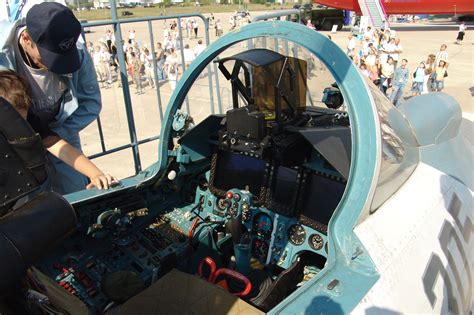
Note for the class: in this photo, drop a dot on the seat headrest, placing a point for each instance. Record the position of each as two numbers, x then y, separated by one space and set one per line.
29 232
22 157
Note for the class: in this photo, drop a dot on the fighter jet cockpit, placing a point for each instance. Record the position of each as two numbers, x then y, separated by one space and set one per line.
244 201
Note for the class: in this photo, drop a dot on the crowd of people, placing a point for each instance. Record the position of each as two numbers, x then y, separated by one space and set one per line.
378 54
170 56
139 61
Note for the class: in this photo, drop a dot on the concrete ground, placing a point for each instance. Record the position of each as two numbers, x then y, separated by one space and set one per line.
418 41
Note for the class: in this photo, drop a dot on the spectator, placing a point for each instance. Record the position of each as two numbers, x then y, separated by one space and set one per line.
430 68
462 30
136 67
387 49
104 61
195 28
131 37
400 80
160 61
97 65
172 69
371 62
65 91
199 48
109 39
366 46
211 19
188 55
397 50
386 73
418 77
177 41
149 74
219 30
363 69
442 54
369 33
232 23
90 48
351 44
439 75
189 27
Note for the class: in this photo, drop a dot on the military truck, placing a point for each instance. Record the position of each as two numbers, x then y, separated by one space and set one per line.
322 17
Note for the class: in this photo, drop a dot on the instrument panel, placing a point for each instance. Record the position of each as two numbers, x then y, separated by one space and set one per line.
274 238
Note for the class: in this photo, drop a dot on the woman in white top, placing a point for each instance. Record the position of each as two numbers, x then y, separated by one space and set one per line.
172 68
386 73
462 30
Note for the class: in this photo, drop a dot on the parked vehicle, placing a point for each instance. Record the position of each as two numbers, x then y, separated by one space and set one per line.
86 29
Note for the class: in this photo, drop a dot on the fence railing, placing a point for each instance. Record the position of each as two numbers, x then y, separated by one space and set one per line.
117 23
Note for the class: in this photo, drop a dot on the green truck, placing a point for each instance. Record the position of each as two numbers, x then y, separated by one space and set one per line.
323 18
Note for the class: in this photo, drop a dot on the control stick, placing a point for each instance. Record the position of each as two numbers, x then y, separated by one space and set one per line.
240 236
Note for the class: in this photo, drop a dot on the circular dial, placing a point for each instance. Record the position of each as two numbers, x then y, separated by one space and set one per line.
296 234
222 204
233 211
316 242
260 249
262 225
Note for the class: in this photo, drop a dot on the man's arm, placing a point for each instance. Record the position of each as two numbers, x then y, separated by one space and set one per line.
74 158
88 97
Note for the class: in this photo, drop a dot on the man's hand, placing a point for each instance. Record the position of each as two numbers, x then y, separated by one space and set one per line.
103 181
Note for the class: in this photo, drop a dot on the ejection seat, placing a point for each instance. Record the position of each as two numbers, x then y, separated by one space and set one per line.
31 221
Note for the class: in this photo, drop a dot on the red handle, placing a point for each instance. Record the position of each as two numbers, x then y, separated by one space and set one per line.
212 267
237 276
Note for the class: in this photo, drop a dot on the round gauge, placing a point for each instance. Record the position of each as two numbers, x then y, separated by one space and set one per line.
296 234
316 242
222 204
233 211
262 225
260 249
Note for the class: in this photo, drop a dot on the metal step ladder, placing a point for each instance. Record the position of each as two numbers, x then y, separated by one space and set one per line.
375 11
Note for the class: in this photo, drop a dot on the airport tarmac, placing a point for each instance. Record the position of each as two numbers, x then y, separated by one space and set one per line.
418 41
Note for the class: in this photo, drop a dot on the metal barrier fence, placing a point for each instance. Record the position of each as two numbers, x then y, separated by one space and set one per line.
117 23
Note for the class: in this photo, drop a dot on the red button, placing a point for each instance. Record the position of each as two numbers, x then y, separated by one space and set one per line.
229 195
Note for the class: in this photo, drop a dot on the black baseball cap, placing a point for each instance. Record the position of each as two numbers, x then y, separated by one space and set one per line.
55 30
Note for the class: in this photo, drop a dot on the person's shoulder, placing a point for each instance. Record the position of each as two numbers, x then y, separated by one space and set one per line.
7 31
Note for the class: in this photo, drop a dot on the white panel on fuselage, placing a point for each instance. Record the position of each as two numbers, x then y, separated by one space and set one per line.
404 238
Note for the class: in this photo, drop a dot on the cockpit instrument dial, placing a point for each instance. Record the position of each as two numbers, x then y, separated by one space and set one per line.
233 210
316 242
222 204
296 234
263 225
260 249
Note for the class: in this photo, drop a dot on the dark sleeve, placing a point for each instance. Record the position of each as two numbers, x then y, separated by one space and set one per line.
48 137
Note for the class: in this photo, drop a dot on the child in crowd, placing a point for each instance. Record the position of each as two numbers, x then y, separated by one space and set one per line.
363 69
418 78
439 74
16 91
